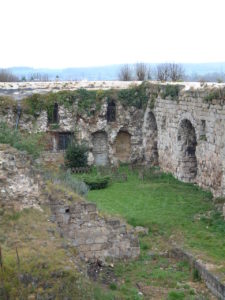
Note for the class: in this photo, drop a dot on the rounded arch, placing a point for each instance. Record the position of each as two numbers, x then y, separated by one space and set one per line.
188 116
187 142
100 148
111 111
150 139
122 146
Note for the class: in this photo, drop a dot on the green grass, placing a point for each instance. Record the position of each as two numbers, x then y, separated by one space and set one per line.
31 143
174 212
169 209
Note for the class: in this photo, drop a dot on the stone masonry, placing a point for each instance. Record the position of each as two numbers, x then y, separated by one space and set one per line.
19 186
94 236
184 135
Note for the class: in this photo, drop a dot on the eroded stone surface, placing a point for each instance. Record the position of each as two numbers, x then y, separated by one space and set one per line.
19 186
157 134
94 236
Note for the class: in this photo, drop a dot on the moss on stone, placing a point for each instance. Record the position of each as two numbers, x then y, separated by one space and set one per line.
171 91
87 101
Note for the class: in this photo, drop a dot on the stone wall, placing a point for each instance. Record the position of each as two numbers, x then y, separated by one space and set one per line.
19 185
184 134
191 139
94 236
215 285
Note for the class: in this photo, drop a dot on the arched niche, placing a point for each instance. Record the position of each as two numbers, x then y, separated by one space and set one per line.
100 148
151 139
53 116
187 142
122 146
111 111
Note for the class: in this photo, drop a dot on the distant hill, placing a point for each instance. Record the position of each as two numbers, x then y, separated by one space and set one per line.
110 72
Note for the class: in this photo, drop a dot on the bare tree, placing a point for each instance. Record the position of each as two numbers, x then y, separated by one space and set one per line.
176 72
125 73
170 72
149 73
162 72
39 77
7 76
141 71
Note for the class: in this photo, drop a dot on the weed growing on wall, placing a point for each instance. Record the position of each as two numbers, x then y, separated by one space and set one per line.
6 102
87 101
32 143
171 91
217 94
135 96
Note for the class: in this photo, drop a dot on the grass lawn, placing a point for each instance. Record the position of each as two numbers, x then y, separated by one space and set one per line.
174 212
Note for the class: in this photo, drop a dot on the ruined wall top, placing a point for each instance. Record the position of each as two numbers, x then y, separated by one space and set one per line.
20 90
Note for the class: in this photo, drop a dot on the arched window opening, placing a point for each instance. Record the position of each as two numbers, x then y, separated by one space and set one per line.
151 140
122 146
111 111
55 116
187 142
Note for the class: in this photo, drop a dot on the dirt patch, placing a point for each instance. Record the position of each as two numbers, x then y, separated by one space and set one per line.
101 273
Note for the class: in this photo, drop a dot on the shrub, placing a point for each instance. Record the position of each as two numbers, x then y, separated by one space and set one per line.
96 182
216 94
76 155
171 91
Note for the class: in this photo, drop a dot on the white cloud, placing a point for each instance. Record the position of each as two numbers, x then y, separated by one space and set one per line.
70 33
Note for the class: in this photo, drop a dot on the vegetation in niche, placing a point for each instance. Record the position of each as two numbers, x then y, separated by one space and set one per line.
203 138
76 154
171 91
54 126
216 94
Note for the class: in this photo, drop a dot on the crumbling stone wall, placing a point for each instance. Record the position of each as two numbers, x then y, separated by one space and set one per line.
184 134
203 137
19 185
95 237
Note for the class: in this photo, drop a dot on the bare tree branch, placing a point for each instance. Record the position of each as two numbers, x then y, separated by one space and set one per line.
125 73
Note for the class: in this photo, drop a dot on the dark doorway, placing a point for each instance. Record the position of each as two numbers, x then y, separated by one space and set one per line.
111 111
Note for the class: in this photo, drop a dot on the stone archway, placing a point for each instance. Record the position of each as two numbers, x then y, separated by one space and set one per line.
100 148
150 139
187 142
122 146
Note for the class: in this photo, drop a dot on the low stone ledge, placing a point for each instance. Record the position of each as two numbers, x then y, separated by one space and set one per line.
212 281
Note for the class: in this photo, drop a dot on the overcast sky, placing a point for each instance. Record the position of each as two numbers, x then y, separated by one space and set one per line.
75 33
